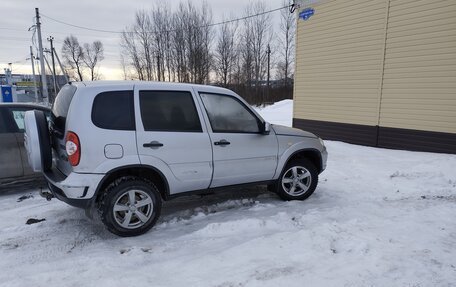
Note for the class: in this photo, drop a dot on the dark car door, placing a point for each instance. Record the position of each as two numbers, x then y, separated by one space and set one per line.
10 154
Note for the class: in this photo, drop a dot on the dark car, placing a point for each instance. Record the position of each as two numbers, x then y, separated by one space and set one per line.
14 166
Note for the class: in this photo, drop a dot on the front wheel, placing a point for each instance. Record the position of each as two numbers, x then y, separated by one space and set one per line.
130 206
298 180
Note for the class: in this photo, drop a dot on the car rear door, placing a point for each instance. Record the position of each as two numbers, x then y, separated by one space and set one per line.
241 152
10 156
170 130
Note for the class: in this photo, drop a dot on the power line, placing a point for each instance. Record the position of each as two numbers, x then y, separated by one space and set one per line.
165 31
14 38
80 27
13 29
246 17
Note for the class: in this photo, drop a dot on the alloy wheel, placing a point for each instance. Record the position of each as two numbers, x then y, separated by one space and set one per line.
296 181
133 209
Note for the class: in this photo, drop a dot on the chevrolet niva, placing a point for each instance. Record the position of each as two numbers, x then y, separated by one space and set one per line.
122 147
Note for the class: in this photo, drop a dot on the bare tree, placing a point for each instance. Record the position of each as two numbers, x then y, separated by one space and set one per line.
93 55
261 33
179 44
287 29
226 52
130 51
161 22
257 34
124 66
191 38
136 43
73 55
142 29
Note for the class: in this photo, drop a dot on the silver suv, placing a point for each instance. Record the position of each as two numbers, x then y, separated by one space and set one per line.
123 147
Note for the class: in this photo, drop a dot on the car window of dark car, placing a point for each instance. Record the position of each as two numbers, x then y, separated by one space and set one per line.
18 115
3 122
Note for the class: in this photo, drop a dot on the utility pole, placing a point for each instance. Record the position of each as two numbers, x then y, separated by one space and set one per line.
61 67
268 51
32 58
51 40
45 94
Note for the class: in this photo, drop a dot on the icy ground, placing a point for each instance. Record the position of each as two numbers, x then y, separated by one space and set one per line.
378 218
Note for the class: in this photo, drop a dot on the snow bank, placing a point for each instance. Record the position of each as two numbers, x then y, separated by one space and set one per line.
280 113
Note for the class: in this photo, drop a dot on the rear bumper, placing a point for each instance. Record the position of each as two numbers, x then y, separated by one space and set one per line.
60 195
76 189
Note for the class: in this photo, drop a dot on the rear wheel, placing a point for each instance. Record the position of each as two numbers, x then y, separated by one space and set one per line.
130 206
298 180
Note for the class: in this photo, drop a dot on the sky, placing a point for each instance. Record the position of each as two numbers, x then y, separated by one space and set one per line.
18 15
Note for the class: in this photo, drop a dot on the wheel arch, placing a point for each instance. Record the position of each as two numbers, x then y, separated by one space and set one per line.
311 154
149 173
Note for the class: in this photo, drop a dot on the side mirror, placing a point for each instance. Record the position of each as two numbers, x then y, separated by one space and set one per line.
266 128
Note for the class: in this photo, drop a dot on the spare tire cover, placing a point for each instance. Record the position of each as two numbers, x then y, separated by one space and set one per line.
32 142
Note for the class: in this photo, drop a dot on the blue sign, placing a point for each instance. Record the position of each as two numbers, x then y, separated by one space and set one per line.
306 13
7 94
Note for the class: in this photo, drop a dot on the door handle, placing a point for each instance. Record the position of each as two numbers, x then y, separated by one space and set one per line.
153 144
222 143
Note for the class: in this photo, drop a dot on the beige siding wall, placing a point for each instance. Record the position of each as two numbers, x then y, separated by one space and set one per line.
339 59
370 63
419 83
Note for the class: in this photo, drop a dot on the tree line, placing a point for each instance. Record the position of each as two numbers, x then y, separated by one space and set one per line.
184 46
249 56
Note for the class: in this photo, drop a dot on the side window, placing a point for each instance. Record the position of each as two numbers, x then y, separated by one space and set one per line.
114 110
19 116
228 115
169 111
9 122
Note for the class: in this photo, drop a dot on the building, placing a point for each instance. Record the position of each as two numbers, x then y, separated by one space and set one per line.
23 85
378 73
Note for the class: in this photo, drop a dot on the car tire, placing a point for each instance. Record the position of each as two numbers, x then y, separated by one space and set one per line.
130 206
298 180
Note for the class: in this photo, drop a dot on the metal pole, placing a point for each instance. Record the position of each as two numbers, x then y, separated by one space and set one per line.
51 39
32 58
268 51
47 63
45 94
61 67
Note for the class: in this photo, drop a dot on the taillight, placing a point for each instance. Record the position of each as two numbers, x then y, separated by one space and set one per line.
73 148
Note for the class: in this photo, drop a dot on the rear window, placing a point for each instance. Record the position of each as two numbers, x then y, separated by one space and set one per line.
114 110
61 105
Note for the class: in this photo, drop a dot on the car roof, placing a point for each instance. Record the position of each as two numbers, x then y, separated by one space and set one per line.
102 84
24 105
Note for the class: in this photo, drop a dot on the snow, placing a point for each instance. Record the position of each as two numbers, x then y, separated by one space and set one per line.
279 113
378 218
